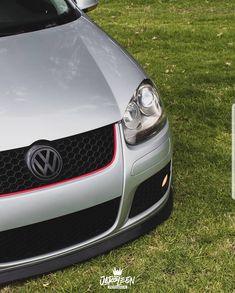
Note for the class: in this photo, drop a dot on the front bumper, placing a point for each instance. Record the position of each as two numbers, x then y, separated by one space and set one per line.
77 256
132 167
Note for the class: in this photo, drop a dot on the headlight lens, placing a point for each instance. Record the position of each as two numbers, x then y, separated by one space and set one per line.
144 115
132 116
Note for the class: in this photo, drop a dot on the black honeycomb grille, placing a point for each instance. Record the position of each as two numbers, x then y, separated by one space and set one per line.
58 233
150 192
81 154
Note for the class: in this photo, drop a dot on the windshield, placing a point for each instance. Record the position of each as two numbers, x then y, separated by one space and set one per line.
18 16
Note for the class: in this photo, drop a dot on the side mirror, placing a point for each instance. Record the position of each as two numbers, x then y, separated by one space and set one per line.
86 5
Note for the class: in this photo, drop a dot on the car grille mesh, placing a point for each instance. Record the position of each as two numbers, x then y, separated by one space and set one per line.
58 233
81 154
150 192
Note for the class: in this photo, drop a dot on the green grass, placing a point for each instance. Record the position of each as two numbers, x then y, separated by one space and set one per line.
188 49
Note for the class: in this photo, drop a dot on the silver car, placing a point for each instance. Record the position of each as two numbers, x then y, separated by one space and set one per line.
85 152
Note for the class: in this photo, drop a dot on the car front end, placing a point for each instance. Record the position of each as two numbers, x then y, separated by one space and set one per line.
86 150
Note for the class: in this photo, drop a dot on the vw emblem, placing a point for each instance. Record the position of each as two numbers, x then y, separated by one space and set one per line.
44 162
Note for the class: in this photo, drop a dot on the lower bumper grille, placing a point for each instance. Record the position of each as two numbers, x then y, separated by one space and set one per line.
150 192
59 233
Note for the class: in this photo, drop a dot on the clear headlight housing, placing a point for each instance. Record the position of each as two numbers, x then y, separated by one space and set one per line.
144 116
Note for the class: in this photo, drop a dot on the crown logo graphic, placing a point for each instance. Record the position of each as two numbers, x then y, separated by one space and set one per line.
117 272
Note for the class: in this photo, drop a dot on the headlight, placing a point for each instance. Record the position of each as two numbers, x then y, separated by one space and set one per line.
144 115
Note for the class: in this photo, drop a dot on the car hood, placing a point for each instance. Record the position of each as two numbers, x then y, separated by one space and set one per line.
62 81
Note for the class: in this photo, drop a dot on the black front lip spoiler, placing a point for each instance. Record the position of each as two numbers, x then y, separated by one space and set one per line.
64 261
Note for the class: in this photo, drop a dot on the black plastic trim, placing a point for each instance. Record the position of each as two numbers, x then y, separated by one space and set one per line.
59 233
52 265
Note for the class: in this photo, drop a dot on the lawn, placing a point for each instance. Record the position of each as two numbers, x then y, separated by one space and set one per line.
188 49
